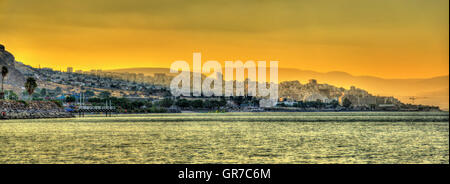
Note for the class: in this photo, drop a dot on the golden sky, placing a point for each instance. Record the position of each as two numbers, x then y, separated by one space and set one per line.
383 38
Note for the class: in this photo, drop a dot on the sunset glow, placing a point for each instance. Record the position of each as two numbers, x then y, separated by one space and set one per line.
388 39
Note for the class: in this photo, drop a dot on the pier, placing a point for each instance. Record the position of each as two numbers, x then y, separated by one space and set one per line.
108 110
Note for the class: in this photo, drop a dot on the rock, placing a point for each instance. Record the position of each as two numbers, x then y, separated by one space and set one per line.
14 77
6 58
34 110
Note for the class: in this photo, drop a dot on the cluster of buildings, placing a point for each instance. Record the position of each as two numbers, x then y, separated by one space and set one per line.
157 78
125 84
293 91
140 86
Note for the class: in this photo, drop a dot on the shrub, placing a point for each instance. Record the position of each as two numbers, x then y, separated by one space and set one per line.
23 102
167 102
58 103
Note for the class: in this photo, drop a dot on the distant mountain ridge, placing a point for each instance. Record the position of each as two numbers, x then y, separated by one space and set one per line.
428 91
146 71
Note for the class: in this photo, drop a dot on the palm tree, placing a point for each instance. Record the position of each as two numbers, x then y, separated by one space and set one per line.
4 73
30 85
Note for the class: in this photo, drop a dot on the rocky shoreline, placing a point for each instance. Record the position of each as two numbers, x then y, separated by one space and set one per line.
37 115
31 110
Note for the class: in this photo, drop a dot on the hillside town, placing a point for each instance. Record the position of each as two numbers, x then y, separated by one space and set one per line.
139 93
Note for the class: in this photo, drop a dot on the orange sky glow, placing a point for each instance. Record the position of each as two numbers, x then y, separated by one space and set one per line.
385 38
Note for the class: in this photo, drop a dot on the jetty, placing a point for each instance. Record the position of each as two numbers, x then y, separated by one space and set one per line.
108 110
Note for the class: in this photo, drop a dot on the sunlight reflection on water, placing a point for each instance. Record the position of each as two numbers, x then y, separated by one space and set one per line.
100 140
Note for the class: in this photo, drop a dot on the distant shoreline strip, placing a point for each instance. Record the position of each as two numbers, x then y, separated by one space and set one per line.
261 119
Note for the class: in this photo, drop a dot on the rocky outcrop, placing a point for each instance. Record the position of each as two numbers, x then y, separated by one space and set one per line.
14 77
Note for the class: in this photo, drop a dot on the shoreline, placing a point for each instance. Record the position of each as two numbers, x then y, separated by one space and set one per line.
10 109
54 115
39 115
258 117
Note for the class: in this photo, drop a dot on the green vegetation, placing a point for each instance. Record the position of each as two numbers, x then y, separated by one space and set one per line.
183 103
11 95
166 102
129 106
4 73
314 104
30 85
347 103
200 104
23 101
197 104
43 92
70 99
58 103
125 105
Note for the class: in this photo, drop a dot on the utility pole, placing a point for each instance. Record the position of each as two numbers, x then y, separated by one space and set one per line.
413 98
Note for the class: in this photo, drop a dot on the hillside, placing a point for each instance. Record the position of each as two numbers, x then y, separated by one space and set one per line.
431 91
14 77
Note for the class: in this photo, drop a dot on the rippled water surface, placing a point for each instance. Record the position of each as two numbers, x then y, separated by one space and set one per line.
230 138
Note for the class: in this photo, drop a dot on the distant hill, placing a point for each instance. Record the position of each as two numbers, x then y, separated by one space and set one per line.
145 71
429 91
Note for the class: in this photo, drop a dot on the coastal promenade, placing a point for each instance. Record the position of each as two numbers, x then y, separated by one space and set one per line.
31 110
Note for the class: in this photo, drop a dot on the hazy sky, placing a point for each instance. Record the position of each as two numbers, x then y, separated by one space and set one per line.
384 38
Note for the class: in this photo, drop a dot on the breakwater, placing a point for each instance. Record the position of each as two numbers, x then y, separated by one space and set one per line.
31 110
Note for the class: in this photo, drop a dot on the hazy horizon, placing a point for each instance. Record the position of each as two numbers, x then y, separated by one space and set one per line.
280 68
